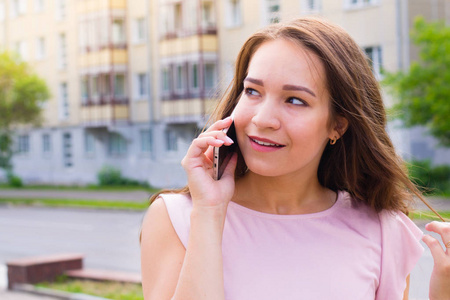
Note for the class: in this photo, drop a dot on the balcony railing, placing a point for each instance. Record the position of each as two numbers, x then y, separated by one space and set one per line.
105 100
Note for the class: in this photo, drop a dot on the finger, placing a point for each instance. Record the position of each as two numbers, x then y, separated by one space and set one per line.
221 124
435 248
218 134
441 228
200 145
231 167
210 153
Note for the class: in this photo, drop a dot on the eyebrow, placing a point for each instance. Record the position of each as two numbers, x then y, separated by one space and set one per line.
286 87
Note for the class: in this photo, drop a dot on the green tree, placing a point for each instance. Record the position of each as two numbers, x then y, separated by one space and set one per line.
22 93
423 92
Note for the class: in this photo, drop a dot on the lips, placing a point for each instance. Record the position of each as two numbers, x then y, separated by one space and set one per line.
265 142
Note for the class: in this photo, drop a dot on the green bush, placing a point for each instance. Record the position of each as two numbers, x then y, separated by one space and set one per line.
110 176
430 179
14 180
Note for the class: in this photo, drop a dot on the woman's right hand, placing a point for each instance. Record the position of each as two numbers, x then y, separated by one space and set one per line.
198 164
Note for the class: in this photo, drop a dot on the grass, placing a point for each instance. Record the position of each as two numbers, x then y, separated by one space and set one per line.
109 290
79 203
429 215
127 205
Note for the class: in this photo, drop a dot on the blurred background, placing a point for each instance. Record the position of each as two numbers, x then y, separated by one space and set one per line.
100 99
132 82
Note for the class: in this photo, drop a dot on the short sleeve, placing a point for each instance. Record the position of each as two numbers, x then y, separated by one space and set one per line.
179 207
401 250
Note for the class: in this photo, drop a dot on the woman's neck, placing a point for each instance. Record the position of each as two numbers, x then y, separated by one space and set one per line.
284 195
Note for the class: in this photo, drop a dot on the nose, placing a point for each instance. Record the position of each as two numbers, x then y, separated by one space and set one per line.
266 115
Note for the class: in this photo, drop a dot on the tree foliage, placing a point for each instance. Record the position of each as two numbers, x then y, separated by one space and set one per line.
423 92
22 94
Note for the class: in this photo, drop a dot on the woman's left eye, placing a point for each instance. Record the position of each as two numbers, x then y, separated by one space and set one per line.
296 101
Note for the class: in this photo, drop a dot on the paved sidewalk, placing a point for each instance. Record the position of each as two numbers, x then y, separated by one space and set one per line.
15 295
436 202
138 196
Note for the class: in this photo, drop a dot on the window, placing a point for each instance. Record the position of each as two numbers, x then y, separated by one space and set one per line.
233 17
60 9
62 51
46 143
311 6
180 78
119 85
94 87
117 145
118 32
105 86
178 16
141 85
210 75
171 141
23 143
18 7
193 78
360 3
208 15
39 6
272 11
67 150
146 140
40 48
84 89
140 32
374 56
63 101
165 80
89 143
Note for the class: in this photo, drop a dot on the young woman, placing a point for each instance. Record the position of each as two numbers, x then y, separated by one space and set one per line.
313 204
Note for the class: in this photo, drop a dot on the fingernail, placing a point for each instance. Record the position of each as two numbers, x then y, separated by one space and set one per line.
220 141
229 140
227 118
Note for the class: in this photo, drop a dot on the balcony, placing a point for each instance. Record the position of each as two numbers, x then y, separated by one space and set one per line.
104 111
188 44
187 110
103 57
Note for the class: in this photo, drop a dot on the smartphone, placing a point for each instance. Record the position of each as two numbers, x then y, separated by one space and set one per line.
222 155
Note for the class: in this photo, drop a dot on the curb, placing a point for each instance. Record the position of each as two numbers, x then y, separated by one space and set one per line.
40 291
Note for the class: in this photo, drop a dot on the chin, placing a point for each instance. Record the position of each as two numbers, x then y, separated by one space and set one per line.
265 170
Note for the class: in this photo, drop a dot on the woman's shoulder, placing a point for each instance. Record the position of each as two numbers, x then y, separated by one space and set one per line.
388 217
356 210
176 199
389 222
179 207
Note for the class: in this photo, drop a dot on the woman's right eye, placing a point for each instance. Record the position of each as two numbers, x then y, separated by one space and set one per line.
252 92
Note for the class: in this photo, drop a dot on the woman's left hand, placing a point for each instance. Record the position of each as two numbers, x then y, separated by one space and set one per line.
440 277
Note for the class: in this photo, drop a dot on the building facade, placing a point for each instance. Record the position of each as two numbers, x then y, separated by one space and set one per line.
134 81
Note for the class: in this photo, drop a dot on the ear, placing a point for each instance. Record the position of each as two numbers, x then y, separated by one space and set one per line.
340 127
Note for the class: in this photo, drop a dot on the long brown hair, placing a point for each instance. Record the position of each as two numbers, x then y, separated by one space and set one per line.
363 161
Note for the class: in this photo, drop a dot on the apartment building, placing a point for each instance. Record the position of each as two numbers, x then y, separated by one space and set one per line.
134 81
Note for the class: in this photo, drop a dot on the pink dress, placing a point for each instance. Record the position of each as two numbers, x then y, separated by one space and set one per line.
345 252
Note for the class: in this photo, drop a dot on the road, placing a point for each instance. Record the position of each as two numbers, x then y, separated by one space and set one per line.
109 239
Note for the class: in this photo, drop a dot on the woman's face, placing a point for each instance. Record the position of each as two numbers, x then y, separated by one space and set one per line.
282 116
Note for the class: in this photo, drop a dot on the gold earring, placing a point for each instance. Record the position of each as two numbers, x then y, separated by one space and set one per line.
333 141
